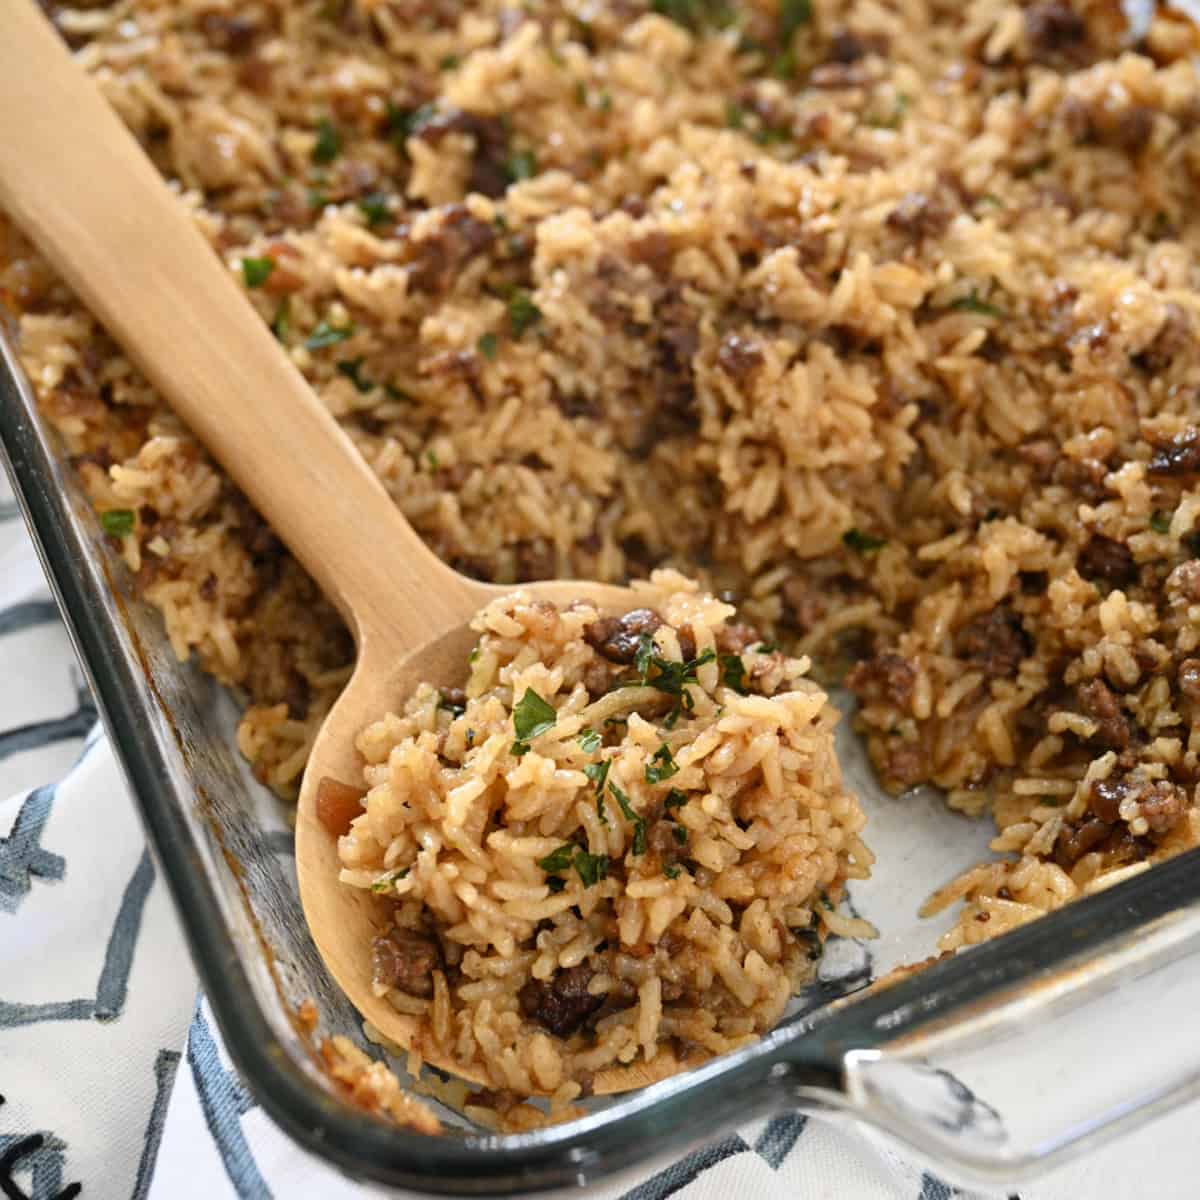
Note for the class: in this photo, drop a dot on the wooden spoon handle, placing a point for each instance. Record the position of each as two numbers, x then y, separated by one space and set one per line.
79 185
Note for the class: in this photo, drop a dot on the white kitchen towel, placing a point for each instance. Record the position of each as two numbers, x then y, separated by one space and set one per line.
113 1078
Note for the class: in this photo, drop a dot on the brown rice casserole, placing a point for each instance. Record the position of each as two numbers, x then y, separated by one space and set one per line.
878 319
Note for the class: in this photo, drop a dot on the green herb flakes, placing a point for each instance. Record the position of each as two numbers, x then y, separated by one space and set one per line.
555 884
327 335
681 834
117 522
256 271
448 62
389 881
558 860
523 314
973 304
862 543
328 144
531 717
281 323
671 870
733 672
668 676
375 208
598 774
1160 521
591 868
487 345
521 164
588 739
661 765
630 814
675 799
351 368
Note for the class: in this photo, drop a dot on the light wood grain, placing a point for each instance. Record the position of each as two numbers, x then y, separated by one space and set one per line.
82 190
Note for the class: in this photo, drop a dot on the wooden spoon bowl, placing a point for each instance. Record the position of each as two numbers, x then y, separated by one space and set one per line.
78 184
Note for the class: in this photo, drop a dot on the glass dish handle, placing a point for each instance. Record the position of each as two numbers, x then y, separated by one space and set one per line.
1035 1075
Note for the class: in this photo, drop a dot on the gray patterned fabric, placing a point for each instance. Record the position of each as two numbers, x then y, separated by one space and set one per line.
97 997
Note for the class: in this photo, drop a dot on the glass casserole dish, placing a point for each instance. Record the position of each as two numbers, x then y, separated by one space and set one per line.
963 1060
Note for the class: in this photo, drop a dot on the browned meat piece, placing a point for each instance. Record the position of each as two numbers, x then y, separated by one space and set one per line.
887 676
338 804
561 1004
459 237
489 175
1162 804
904 764
919 216
733 639
1054 28
739 357
286 276
231 34
847 47
1179 456
1083 476
405 960
1098 702
687 642
297 696
1104 558
1074 841
1172 340
597 678
1106 797
617 638
1189 679
996 642
654 249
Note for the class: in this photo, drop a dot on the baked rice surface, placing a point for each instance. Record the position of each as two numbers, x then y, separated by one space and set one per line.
879 319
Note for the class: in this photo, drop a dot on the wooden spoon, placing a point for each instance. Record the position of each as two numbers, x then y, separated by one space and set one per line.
78 184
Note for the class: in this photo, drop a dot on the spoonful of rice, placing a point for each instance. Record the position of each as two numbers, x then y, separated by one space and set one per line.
565 839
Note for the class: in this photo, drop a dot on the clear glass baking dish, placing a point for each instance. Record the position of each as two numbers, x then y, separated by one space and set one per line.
992 1064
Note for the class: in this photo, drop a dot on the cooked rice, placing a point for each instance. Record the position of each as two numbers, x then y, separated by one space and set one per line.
882 321
649 866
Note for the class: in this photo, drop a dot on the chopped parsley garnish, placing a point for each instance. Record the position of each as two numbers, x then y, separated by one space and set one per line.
522 312
661 765
766 647
671 870
117 522
681 834
588 740
558 860
375 208
328 144
317 199
487 345
281 323
630 814
695 14
555 884
327 335
733 672
591 868
1160 521
432 459
667 676
735 115
862 543
973 304
675 799
792 15
256 271
448 62
474 655
521 164
389 880
352 369
598 774
531 717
